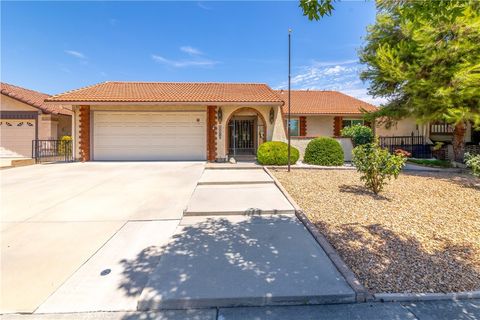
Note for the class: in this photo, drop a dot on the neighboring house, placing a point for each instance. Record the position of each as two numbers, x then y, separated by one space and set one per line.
172 121
317 113
24 117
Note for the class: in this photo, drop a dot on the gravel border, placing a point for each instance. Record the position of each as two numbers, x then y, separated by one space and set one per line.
361 293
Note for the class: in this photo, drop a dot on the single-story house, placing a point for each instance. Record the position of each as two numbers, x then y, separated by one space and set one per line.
317 113
172 121
24 116
199 121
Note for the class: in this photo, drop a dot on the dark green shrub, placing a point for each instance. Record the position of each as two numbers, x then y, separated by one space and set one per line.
324 151
359 134
276 153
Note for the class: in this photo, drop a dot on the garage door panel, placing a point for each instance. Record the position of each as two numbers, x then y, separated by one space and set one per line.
16 136
149 136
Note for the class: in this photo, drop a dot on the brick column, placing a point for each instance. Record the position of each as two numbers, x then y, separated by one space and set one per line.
211 133
84 137
303 126
337 126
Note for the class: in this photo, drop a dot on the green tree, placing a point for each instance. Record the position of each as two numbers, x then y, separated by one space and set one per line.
424 57
316 9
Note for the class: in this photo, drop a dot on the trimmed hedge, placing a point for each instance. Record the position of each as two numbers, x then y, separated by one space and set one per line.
324 151
276 153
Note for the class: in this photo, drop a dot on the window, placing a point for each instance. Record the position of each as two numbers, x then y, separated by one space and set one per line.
351 122
294 127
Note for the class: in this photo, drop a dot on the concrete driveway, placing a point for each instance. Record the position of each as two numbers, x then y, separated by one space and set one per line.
54 218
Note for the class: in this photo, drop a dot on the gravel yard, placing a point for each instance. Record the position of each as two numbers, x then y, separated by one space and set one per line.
422 234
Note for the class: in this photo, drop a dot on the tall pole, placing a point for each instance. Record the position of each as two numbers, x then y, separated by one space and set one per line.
289 77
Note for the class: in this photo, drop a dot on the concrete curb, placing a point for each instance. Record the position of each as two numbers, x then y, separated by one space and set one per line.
361 293
415 297
226 183
252 212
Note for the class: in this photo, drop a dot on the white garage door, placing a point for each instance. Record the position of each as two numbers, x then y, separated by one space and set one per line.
16 137
149 135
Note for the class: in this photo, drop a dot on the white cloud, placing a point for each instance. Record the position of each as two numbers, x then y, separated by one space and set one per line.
196 59
343 76
76 54
203 6
184 63
191 51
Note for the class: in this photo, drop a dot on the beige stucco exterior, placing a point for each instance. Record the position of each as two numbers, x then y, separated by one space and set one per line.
406 126
275 131
49 126
319 126
403 127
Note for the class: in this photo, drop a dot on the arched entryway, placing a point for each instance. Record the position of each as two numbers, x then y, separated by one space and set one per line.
245 131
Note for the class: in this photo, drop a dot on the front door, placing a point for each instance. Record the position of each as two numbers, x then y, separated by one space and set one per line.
242 137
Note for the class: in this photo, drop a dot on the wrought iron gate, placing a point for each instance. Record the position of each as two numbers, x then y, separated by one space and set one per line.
242 137
52 150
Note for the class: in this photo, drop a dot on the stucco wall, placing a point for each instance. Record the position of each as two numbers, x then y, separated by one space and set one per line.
47 124
406 126
346 143
403 127
9 104
319 126
275 130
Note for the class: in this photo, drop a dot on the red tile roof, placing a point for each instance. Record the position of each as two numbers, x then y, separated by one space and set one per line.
323 102
33 98
191 92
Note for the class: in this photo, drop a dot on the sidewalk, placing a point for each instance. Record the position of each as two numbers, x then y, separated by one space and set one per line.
431 310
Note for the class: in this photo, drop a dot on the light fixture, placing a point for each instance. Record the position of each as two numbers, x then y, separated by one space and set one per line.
220 115
272 115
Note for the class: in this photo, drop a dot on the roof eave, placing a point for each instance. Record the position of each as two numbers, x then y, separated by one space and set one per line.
163 103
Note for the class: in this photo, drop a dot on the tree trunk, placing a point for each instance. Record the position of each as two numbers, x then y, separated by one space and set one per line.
458 141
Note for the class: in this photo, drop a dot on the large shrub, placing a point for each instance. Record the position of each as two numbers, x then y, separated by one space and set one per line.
376 165
359 134
276 153
473 161
324 151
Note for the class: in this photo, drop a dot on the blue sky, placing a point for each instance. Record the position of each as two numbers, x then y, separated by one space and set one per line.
58 46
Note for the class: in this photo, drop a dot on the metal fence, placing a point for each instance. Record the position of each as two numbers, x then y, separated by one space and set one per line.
52 150
415 144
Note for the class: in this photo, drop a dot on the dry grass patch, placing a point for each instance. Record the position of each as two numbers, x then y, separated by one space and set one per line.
422 234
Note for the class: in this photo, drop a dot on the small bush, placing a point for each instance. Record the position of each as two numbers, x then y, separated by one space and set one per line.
324 151
376 165
359 134
65 145
276 153
473 162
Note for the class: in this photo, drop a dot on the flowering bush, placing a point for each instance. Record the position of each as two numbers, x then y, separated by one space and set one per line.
403 153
